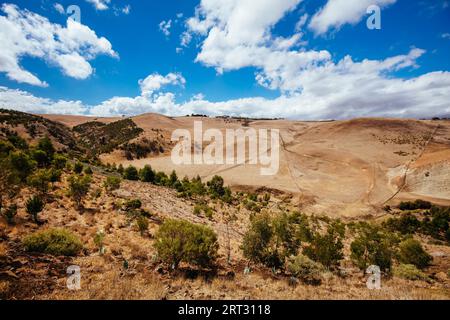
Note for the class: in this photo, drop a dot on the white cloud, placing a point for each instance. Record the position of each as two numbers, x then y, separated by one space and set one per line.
126 10
24 33
100 4
336 13
165 26
58 7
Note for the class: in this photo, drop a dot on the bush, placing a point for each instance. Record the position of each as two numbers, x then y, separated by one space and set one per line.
181 241
78 167
412 252
79 188
406 224
88 170
40 180
112 183
34 206
58 242
59 161
305 269
327 248
372 247
142 224
10 213
131 173
409 272
147 174
418 204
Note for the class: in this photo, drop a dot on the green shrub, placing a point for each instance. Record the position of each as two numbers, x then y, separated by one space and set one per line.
131 173
34 206
9 213
418 204
327 248
372 246
88 170
58 242
112 183
147 174
142 224
406 224
78 167
409 272
40 180
59 161
412 252
79 188
305 269
181 241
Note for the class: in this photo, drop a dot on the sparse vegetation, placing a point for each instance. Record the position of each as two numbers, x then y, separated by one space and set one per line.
181 241
54 242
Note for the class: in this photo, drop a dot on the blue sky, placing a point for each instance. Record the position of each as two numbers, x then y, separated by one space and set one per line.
417 32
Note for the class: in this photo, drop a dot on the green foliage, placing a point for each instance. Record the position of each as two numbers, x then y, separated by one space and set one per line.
373 246
409 272
79 188
305 269
327 248
34 206
21 164
142 224
40 180
88 170
133 204
131 173
57 242
112 183
59 161
147 174
181 241
412 252
215 187
46 145
418 204
406 224
78 167
9 213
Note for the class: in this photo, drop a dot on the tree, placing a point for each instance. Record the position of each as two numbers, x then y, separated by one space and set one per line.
35 205
215 187
412 252
79 188
181 241
147 174
40 180
372 246
327 248
112 183
131 173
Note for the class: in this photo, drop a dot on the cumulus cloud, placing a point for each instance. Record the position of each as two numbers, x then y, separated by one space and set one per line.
336 13
24 33
100 4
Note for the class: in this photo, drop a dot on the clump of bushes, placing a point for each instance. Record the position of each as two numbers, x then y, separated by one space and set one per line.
373 246
57 242
416 205
412 252
181 241
305 269
409 272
